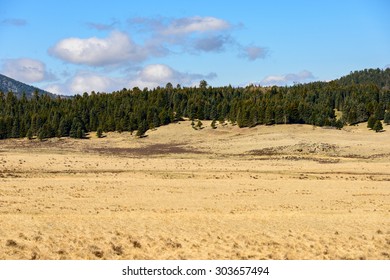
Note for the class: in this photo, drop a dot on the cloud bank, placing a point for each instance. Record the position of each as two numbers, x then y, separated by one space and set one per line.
26 70
150 76
287 79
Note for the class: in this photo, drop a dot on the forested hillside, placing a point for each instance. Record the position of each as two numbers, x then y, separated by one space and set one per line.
135 109
18 88
380 78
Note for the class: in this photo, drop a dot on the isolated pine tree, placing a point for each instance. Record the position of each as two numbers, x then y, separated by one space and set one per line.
213 126
378 126
99 132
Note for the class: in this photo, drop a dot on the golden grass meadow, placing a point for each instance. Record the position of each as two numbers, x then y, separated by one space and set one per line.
268 192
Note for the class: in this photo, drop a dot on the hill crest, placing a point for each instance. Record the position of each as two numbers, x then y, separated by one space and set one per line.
8 84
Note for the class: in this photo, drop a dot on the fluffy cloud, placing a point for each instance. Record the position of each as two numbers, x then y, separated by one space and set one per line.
193 34
281 80
86 82
155 75
117 48
14 22
26 70
150 76
162 36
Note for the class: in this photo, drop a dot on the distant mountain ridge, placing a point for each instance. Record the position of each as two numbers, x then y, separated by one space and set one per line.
8 84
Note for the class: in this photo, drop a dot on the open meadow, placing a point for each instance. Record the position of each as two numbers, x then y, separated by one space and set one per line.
268 192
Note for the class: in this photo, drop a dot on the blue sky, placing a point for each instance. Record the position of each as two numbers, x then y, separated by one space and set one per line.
71 46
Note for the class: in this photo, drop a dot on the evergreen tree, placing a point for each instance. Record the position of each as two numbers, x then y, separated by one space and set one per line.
213 124
199 124
29 134
76 130
378 126
387 117
99 132
339 124
142 128
371 122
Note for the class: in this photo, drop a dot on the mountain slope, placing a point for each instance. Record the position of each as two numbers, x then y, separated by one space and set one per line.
8 84
380 78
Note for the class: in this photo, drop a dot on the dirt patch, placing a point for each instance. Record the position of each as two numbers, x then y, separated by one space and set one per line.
301 148
150 150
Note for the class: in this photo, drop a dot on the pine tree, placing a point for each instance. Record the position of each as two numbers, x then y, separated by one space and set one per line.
99 132
378 126
76 130
387 117
339 124
29 134
213 124
41 135
371 122
142 128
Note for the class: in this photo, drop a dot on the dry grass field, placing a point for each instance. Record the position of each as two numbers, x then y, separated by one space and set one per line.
269 192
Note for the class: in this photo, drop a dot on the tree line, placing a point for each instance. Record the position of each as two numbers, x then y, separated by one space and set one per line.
138 110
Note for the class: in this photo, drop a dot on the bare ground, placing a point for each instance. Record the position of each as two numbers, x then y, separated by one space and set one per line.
270 192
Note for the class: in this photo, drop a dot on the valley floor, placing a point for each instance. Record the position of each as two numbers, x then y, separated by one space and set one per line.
269 192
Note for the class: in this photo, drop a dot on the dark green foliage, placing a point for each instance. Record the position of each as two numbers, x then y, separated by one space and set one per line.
213 124
339 124
136 110
142 128
387 117
378 126
378 77
99 132
203 84
371 122
77 129
29 134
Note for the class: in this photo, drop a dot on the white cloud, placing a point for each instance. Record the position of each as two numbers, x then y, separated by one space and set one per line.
115 49
194 24
281 80
193 34
26 70
87 82
253 52
151 76
54 88
155 75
